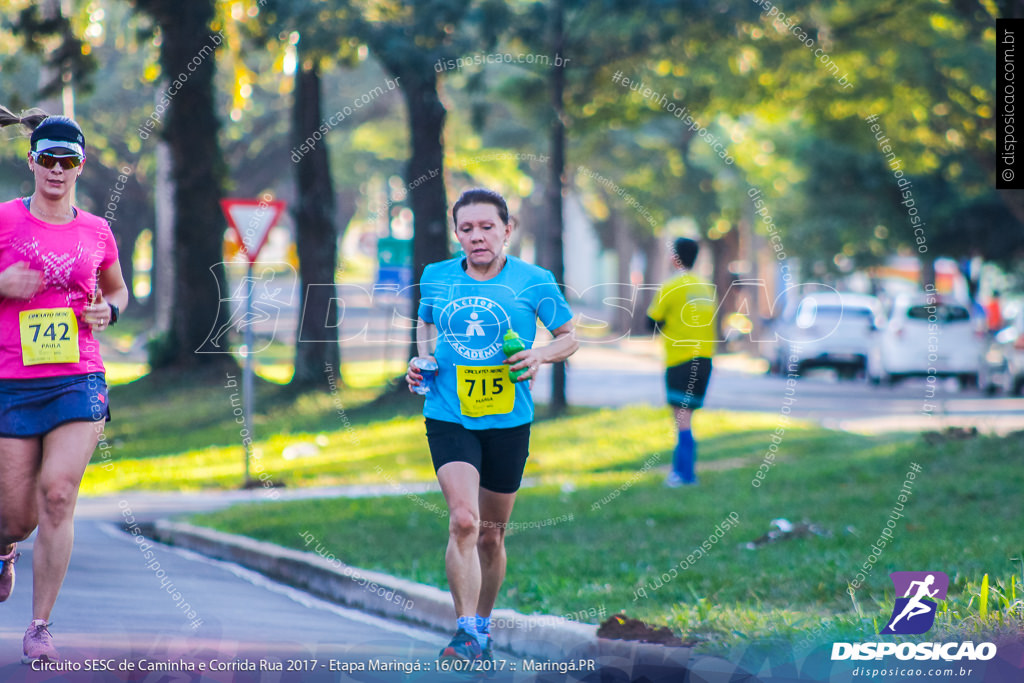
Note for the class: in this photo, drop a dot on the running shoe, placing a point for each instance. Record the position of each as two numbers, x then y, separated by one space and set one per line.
674 481
7 572
463 646
38 643
485 650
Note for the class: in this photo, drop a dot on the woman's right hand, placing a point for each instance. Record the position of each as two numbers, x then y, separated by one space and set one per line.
413 376
20 281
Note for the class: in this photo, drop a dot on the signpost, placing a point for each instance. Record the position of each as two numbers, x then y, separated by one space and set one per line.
251 219
394 263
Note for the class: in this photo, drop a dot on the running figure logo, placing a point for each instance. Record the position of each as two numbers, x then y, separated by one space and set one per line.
914 613
269 299
474 327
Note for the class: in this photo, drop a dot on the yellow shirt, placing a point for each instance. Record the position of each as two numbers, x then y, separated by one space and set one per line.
685 312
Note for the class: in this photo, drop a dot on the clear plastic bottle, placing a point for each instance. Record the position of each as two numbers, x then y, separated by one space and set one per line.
428 369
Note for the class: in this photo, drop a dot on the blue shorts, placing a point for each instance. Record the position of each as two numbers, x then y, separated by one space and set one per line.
34 407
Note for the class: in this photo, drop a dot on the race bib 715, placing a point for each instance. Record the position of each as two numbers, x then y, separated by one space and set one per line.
485 390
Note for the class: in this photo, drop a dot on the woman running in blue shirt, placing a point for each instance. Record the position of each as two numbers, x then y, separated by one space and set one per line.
478 419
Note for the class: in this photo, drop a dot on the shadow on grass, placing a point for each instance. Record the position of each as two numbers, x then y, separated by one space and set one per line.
165 413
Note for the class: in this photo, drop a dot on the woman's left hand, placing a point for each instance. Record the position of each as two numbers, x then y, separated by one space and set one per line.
97 314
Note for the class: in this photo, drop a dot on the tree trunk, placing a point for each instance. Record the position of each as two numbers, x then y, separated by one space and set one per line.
316 340
655 272
424 176
623 241
197 170
346 203
162 274
724 251
551 248
927 271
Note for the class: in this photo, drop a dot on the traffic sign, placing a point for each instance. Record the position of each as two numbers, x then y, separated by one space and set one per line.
252 219
394 263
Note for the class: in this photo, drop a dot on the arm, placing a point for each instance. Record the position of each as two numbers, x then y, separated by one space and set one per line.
655 313
561 347
426 343
112 290
19 281
910 588
113 287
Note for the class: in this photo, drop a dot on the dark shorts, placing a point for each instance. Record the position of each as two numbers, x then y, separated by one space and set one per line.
687 383
34 407
499 455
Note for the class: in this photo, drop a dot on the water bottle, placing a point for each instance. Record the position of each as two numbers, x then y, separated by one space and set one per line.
428 369
513 345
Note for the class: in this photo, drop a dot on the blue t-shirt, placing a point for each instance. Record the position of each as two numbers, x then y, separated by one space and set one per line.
472 317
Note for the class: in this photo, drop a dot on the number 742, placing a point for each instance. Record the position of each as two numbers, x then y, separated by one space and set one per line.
51 332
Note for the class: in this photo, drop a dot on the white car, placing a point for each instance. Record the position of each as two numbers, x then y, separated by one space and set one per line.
1002 365
927 336
829 329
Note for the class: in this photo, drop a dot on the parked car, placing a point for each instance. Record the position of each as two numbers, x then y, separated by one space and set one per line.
827 330
1002 363
927 335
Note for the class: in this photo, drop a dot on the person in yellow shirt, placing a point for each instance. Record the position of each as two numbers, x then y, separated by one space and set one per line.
684 313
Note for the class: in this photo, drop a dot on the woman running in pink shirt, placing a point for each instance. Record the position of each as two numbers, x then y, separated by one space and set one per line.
60 282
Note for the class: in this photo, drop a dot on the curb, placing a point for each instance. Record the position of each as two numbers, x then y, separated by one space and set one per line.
545 637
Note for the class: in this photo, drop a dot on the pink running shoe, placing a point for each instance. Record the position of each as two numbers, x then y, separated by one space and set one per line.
7 572
38 643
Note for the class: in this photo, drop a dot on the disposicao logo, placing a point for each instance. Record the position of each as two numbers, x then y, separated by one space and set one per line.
914 613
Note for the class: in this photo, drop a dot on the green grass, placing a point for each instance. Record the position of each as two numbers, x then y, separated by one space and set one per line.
180 433
959 519
626 530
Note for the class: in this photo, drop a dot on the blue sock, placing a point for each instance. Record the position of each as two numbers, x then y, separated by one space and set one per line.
685 457
483 629
468 624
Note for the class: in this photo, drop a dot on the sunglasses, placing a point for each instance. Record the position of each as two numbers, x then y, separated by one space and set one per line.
49 160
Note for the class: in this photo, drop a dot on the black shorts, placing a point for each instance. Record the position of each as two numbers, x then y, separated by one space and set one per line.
687 383
499 455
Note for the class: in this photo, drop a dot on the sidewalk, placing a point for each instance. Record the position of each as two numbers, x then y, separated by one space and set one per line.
554 639
541 638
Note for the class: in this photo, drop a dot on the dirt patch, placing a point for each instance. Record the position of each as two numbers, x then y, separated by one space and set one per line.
950 434
785 530
621 627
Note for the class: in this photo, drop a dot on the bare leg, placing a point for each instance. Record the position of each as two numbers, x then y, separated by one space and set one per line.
66 452
683 416
495 510
460 483
19 472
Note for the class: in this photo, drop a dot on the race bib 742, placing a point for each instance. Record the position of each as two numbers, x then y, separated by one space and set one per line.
48 335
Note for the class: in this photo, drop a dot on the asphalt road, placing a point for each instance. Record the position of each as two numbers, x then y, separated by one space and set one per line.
179 616
118 608
614 377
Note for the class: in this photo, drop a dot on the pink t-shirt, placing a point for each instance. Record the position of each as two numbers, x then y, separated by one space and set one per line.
69 257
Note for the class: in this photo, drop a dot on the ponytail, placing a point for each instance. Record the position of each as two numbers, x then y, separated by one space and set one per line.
30 119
